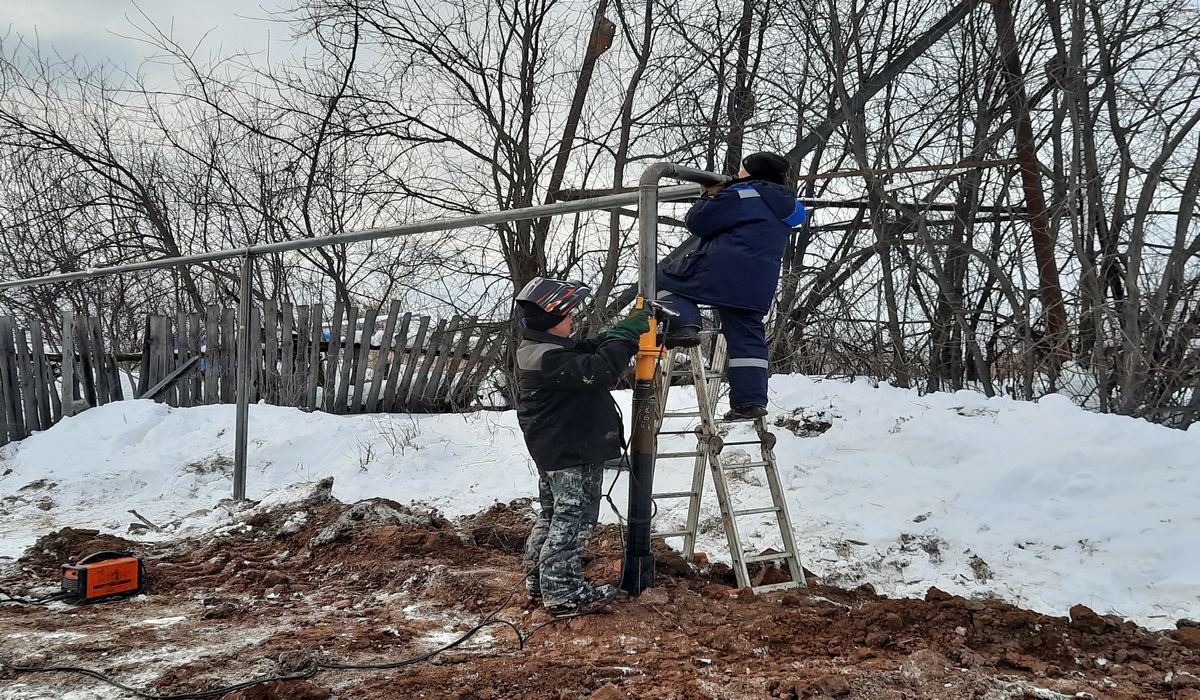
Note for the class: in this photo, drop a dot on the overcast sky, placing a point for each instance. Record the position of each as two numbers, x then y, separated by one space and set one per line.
109 29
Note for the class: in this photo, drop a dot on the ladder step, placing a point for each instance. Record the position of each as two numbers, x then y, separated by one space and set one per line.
744 465
742 442
766 557
676 455
755 511
677 432
778 586
674 494
672 533
682 414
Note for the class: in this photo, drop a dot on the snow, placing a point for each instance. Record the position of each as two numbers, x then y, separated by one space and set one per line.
1044 504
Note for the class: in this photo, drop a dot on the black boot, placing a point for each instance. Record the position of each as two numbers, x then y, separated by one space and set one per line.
682 337
746 412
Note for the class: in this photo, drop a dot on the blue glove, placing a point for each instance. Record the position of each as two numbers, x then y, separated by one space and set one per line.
633 327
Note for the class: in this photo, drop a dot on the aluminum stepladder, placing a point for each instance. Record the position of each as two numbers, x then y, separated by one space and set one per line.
707 457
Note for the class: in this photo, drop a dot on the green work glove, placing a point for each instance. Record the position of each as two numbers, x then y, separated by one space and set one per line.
633 327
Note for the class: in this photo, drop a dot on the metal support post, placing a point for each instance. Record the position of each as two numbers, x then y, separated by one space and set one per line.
637 568
241 431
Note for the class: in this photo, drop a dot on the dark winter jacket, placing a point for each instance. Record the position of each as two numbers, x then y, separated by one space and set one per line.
566 411
743 232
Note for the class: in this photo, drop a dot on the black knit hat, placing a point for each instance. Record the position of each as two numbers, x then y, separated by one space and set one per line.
768 166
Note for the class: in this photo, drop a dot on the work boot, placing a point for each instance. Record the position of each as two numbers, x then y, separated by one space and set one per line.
591 600
748 411
682 337
533 582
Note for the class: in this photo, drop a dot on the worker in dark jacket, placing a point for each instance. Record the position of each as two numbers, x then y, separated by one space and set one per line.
743 228
571 427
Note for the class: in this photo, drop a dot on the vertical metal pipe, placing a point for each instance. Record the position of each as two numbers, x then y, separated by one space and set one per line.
637 569
241 431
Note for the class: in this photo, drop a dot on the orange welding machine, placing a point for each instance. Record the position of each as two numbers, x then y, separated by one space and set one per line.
103 574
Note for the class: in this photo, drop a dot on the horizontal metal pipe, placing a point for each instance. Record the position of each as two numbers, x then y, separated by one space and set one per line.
597 203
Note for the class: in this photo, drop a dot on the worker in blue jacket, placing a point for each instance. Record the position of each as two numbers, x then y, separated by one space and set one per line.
743 228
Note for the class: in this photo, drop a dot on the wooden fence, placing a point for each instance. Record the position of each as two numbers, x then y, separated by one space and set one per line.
352 362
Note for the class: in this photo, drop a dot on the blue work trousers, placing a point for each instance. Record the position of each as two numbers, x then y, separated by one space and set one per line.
746 339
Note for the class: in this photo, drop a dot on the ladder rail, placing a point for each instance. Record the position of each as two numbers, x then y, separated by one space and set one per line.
707 385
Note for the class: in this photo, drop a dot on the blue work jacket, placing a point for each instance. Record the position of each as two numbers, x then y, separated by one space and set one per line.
743 232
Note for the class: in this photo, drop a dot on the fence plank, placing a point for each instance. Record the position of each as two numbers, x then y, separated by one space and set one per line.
410 367
271 376
416 396
85 368
143 365
197 378
303 336
103 366
158 358
10 391
6 433
316 335
183 353
474 377
256 354
341 406
332 353
68 363
228 355
27 381
46 407
380 371
287 355
364 358
454 362
441 359
464 375
212 354
397 361
160 363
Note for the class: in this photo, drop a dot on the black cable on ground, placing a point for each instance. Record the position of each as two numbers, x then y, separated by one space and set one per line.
312 669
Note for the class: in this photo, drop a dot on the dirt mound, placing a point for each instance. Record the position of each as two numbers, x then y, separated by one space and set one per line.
69 544
394 584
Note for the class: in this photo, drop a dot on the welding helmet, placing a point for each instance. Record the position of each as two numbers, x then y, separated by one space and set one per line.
558 297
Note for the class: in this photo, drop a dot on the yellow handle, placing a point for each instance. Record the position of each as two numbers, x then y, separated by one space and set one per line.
648 349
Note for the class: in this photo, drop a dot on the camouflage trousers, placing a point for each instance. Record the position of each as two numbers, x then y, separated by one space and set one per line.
570 500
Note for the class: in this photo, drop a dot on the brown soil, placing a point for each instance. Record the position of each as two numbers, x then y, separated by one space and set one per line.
387 584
